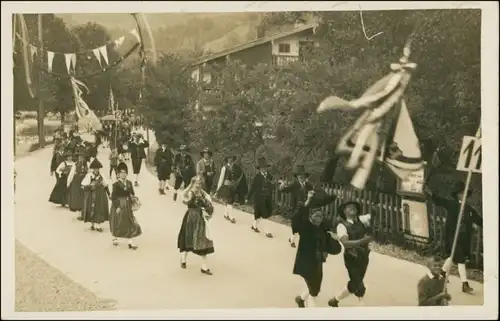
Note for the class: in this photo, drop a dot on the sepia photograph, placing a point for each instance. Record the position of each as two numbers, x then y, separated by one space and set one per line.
250 156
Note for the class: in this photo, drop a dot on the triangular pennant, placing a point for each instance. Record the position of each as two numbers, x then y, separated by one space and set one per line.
119 42
104 52
50 59
136 34
67 57
33 51
97 54
73 62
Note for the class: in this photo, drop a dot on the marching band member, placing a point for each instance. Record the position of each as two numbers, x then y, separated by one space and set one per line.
226 187
469 218
206 169
95 205
298 190
59 194
137 154
75 192
353 234
261 194
122 222
315 243
163 161
194 235
184 169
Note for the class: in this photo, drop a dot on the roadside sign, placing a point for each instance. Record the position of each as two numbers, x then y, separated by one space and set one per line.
470 158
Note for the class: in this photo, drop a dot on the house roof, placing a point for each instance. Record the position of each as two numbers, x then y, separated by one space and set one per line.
254 43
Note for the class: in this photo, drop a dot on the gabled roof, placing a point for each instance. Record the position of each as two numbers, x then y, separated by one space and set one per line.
254 43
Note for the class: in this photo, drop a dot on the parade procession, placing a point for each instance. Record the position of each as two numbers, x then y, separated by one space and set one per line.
160 212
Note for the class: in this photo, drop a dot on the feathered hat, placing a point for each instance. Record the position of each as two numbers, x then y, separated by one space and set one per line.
231 157
206 150
96 164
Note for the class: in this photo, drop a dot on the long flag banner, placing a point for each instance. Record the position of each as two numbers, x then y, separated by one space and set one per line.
384 131
88 122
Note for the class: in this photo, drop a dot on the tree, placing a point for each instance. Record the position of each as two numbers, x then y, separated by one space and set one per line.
169 100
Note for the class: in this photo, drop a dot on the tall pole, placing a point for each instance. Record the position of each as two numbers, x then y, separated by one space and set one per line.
41 113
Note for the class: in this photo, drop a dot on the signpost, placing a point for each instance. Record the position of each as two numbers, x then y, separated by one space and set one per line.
469 161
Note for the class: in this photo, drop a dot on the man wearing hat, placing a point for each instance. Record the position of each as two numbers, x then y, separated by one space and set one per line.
226 187
163 161
353 232
469 218
137 154
298 190
206 169
184 169
261 194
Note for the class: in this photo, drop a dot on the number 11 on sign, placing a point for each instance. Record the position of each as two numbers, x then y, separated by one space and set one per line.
470 155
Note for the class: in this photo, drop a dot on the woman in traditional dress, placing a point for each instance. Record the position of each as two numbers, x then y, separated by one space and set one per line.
59 194
122 222
194 235
57 157
75 191
95 202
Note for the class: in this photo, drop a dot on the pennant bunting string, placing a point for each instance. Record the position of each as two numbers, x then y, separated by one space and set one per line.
104 52
50 59
97 54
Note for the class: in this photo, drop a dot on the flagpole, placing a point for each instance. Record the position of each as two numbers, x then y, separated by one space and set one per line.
41 129
461 213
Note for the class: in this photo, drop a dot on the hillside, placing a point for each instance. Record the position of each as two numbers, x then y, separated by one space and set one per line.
181 32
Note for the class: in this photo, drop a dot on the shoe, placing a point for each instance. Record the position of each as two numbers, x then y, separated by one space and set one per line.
466 288
292 243
115 242
269 235
183 265
99 229
132 247
207 272
136 184
92 228
79 218
256 230
333 303
300 303
175 197
162 192
232 220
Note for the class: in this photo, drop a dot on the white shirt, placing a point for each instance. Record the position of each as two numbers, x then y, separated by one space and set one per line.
88 178
342 229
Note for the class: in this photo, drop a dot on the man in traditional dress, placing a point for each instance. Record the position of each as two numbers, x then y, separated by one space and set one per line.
241 190
298 190
261 194
136 148
226 187
163 162
470 218
206 168
184 169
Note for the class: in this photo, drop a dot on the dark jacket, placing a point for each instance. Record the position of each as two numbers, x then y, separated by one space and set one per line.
137 149
164 159
261 188
184 166
298 194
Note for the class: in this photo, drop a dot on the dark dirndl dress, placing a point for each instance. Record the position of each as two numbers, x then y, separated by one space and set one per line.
76 193
59 194
95 202
123 224
192 235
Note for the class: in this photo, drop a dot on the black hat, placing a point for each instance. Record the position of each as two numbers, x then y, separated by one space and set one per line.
300 170
68 153
207 151
342 207
183 147
95 164
227 158
122 167
262 163
459 187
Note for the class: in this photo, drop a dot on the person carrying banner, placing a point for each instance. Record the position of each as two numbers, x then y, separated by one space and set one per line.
261 195
298 190
470 218
163 162
316 242
354 234
184 169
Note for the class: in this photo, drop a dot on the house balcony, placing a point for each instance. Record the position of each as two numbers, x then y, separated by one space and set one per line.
284 60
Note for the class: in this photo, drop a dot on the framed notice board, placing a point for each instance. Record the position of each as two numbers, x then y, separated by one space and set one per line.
413 184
